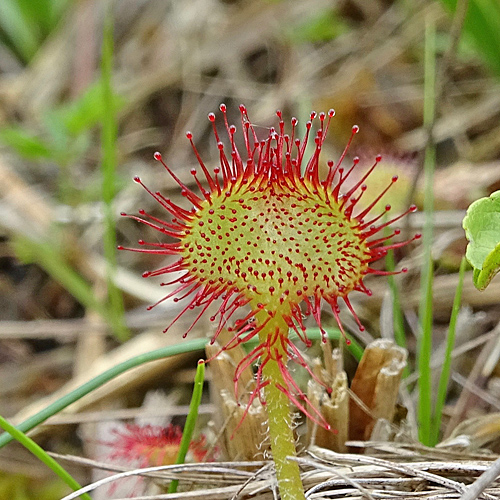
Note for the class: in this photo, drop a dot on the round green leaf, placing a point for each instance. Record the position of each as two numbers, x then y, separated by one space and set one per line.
482 229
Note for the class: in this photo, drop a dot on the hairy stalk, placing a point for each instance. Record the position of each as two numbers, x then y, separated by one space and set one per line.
279 415
282 439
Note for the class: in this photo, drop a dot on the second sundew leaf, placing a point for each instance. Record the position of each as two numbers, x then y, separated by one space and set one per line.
482 229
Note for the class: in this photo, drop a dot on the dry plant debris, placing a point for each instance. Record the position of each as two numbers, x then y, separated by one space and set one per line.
391 471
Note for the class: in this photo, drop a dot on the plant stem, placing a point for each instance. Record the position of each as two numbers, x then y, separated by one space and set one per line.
279 415
108 168
187 433
425 307
78 393
282 439
42 455
446 369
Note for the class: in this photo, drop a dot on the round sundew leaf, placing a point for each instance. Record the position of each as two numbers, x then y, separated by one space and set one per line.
482 229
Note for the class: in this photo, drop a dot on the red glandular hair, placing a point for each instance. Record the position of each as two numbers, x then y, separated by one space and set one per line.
265 232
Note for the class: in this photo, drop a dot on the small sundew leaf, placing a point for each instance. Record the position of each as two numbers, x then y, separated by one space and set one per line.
482 229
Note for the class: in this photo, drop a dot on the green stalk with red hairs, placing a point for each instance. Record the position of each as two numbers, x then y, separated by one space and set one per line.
267 233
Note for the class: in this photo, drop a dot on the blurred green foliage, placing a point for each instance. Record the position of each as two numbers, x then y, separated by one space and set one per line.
25 24
62 139
482 28
320 27
64 136
19 487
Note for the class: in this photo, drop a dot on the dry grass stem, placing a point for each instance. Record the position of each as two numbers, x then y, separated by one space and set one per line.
331 475
376 384
249 441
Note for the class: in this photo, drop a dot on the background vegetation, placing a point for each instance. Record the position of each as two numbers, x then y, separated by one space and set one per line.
90 89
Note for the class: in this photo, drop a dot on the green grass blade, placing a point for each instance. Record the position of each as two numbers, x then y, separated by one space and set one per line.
424 356
424 348
446 369
192 416
164 352
38 14
17 26
482 27
109 133
26 23
91 385
42 455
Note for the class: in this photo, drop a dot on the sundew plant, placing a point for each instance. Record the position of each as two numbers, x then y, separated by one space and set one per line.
267 233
